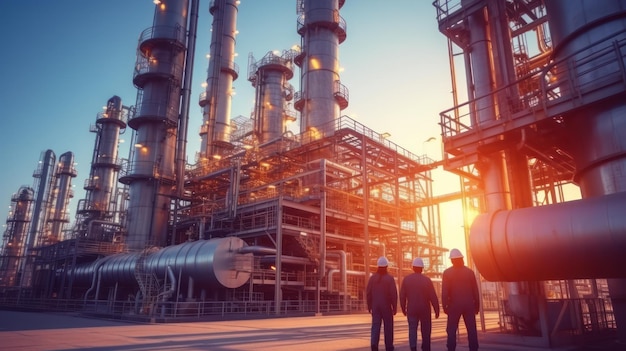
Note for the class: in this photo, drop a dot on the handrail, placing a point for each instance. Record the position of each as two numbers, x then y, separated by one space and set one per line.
551 91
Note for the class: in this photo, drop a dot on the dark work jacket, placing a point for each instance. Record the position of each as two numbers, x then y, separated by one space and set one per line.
417 294
382 294
459 290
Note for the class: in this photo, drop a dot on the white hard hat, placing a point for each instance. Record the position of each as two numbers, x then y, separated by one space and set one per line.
455 253
382 261
418 262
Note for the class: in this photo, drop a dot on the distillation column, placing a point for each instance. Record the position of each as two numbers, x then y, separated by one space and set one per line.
322 96
43 180
216 100
62 193
269 76
14 237
158 76
105 165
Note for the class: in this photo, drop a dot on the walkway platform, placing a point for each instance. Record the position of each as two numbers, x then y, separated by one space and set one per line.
56 331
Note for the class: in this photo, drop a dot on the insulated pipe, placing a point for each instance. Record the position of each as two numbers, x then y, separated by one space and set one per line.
572 240
215 262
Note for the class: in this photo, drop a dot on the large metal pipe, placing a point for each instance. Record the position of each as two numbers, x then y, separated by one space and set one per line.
572 240
211 263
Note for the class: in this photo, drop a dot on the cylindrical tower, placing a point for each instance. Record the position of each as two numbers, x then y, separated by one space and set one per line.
43 182
62 193
105 165
270 77
158 76
322 96
14 238
216 100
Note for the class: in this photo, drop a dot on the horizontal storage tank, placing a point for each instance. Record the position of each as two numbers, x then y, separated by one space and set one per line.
210 263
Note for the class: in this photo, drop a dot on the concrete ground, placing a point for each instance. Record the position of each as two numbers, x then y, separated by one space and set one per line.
50 331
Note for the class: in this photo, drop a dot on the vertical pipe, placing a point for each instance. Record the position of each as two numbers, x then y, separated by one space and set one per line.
366 212
279 253
322 247
181 149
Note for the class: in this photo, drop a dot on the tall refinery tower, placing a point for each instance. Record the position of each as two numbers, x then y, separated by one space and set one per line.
14 238
216 100
97 212
322 96
158 76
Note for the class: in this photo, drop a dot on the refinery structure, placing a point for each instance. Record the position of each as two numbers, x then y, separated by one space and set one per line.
270 221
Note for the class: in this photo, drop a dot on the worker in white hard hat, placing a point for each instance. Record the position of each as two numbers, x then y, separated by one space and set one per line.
417 294
459 297
382 304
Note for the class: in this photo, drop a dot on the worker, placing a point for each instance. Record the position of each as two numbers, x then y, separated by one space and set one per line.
382 304
459 297
417 294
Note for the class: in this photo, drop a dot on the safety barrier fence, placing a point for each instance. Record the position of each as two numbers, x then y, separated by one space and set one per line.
186 310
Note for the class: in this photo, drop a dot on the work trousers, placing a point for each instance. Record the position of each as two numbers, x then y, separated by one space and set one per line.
379 317
469 318
426 327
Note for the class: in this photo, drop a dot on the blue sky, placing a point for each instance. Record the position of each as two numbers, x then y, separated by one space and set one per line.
62 60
